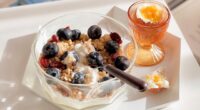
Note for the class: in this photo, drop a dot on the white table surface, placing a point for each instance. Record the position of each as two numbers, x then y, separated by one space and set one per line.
18 24
192 8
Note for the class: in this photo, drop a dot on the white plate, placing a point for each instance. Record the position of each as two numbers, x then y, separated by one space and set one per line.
142 100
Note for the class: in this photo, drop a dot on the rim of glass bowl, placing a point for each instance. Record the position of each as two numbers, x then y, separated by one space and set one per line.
149 1
91 13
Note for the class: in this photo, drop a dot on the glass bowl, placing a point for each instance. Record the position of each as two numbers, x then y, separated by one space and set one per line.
80 96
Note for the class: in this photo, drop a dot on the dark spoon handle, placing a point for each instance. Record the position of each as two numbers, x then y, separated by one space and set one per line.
127 78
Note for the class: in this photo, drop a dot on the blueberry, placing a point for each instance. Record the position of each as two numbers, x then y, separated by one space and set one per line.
76 56
105 78
53 72
50 50
95 59
94 32
64 34
111 46
121 63
101 68
64 55
76 34
78 78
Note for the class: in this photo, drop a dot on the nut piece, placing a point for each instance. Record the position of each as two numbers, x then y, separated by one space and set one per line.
66 75
102 74
65 46
84 37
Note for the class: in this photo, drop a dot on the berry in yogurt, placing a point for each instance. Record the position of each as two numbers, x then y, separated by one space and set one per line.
64 34
78 58
94 32
75 34
121 63
53 72
78 78
50 50
95 59
111 46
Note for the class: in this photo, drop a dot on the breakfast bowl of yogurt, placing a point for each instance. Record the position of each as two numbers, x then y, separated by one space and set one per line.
70 53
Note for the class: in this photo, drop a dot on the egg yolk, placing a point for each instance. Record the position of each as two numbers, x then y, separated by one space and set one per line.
157 78
152 13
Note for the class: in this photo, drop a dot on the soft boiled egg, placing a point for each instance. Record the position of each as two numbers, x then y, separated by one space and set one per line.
149 13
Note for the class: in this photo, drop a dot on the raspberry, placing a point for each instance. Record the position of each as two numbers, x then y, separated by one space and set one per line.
115 37
114 56
67 27
54 38
51 63
44 62
56 64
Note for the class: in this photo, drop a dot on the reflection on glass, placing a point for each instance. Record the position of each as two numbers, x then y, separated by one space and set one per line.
3 100
9 108
12 84
20 98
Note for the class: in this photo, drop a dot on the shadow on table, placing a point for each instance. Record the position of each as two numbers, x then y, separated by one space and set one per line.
12 66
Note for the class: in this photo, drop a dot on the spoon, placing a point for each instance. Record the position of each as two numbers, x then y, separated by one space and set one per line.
127 78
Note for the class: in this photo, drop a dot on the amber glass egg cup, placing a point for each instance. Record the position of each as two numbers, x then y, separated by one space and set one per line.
150 51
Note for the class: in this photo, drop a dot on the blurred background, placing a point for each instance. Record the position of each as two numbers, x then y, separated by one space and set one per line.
185 12
5 3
